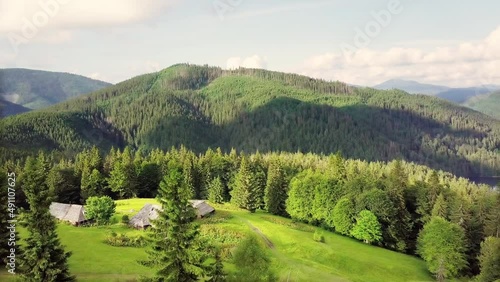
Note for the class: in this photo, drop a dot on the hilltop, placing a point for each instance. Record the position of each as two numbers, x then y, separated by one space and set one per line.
248 109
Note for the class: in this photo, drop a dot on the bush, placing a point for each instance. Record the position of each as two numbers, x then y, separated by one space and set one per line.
122 240
100 209
226 240
125 219
318 236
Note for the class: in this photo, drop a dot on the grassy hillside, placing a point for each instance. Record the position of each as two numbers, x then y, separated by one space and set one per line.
252 110
295 255
488 104
36 89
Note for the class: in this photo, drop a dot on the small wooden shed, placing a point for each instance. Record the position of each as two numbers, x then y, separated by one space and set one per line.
75 214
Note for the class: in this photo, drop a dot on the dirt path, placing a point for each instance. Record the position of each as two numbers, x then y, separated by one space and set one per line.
268 242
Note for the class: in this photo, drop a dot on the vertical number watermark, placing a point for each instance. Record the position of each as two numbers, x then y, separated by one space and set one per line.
11 201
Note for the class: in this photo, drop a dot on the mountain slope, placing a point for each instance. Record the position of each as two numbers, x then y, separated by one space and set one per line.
460 95
251 110
488 104
7 108
36 89
412 87
456 95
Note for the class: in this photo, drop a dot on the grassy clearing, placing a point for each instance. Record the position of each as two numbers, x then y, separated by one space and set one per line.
295 255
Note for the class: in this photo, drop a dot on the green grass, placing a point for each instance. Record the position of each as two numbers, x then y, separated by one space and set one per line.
295 255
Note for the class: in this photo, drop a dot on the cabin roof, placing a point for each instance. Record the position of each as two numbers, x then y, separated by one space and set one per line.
68 212
150 212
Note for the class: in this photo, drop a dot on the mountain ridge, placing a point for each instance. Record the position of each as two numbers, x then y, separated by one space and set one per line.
257 110
36 89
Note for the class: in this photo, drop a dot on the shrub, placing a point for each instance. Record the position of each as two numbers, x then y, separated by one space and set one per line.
122 240
318 236
125 219
100 209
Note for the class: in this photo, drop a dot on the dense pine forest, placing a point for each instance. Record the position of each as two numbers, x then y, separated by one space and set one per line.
398 205
256 110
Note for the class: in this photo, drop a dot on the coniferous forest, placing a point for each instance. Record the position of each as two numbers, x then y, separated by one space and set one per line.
384 168
247 109
397 205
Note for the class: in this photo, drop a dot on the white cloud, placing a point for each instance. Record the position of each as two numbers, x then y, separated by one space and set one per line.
253 62
68 14
462 64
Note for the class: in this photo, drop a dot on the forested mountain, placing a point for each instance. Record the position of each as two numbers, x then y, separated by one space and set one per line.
7 108
456 95
412 87
247 109
36 89
488 104
460 95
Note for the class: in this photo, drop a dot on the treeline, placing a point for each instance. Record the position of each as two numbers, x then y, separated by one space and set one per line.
201 107
388 204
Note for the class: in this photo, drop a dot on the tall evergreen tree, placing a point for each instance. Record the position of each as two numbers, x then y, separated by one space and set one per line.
440 209
492 223
43 258
176 253
64 185
490 260
123 177
401 227
216 191
276 189
245 193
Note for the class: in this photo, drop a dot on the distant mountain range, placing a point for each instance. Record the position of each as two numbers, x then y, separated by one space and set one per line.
412 87
488 104
34 89
479 98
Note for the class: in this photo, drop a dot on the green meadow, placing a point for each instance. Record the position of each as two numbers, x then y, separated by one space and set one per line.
295 255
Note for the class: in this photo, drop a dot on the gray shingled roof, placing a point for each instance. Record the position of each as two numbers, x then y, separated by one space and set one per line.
202 208
68 212
149 212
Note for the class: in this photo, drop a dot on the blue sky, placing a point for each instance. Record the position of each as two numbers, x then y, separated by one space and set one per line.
442 42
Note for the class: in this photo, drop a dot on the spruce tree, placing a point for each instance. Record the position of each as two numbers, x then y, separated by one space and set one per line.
245 193
176 254
490 260
123 176
276 189
401 226
216 191
492 223
64 185
440 208
218 274
43 258
259 177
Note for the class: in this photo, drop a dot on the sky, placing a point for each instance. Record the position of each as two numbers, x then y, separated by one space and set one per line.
362 42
